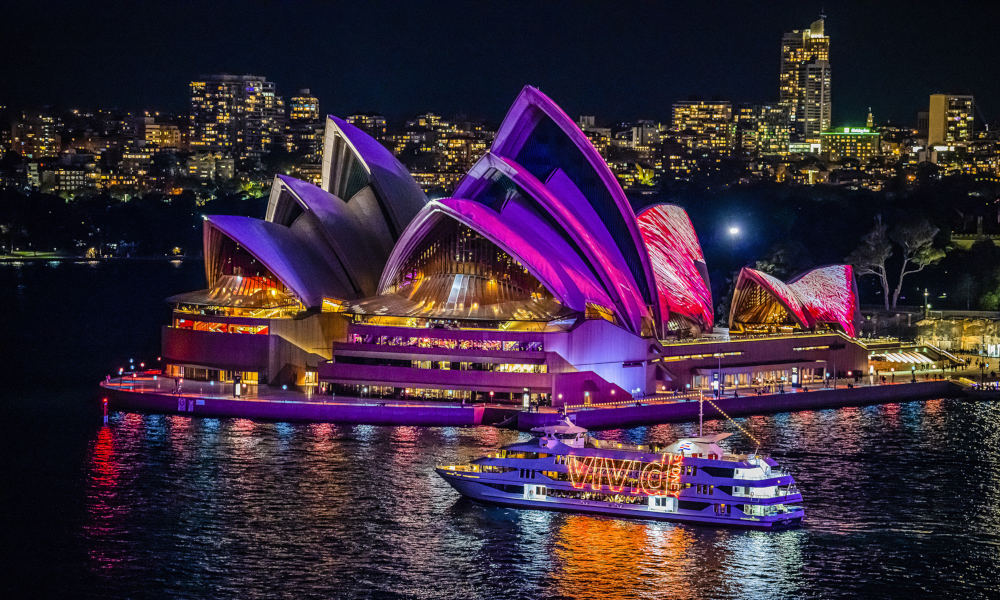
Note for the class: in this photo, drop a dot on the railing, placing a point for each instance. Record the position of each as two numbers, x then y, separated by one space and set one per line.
654 399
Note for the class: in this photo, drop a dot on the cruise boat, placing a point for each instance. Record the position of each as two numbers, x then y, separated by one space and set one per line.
692 480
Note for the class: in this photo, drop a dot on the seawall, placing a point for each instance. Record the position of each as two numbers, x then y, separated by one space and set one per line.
290 410
630 416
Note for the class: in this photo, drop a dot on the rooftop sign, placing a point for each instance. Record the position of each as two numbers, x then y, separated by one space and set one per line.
851 130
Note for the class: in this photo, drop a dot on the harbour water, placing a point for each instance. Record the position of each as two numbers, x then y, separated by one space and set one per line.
900 499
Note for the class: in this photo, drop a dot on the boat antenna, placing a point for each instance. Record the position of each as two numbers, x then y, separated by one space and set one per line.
738 426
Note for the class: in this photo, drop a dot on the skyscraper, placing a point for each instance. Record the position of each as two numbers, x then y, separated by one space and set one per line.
804 88
240 115
950 118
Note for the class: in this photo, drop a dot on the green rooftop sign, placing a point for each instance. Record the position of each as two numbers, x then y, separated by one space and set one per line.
851 130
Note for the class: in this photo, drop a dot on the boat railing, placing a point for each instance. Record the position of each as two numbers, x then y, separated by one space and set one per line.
613 445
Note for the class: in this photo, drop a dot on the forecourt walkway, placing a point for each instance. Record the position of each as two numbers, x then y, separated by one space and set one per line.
151 392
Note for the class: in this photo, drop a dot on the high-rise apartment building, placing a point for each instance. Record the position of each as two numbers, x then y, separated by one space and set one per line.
305 129
804 80
950 118
303 107
36 135
645 135
704 125
762 129
162 135
374 125
240 115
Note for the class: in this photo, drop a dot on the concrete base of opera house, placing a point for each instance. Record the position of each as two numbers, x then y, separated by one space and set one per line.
354 411
648 414
298 407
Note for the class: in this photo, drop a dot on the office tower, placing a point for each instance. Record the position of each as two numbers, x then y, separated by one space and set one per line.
239 115
860 143
950 118
704 125
804 79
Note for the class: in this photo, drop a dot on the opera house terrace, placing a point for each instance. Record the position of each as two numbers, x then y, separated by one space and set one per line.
534 283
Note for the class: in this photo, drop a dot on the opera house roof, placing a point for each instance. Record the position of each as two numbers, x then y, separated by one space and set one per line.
315 242
544 197
539 230
826 296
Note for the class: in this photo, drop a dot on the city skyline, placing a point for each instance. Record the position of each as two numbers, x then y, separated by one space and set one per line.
737 58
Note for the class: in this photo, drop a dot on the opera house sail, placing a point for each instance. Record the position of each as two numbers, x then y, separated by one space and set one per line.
534 282
826 297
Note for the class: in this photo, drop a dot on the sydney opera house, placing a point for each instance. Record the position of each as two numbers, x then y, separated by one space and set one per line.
534 281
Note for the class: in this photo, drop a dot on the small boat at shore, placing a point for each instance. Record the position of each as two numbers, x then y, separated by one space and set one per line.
692 480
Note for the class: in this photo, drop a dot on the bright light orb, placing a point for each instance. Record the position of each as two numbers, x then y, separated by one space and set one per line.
734 230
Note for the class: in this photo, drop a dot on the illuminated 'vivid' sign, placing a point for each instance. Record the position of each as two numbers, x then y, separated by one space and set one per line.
660 478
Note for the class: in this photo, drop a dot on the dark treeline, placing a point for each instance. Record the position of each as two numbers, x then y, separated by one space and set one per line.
783 230
787 229
153 224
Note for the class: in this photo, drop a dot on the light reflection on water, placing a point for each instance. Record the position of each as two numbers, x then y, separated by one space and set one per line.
900 501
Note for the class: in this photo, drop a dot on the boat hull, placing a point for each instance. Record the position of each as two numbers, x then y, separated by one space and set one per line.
471 488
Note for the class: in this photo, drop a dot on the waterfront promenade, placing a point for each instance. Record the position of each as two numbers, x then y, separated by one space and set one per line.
652 412
151 392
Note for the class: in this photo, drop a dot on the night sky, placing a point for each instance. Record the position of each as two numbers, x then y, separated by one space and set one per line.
615 59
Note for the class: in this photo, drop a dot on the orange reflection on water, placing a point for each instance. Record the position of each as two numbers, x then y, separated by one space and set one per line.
933 407
604 558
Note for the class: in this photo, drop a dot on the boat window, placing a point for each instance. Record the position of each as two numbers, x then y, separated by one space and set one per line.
719 471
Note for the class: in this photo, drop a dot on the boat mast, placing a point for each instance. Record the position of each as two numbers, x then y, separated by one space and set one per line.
701 411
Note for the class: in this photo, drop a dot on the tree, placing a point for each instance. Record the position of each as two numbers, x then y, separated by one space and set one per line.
917 242
990 298
870 257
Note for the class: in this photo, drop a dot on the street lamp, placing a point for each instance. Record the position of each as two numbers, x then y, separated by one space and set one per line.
733 231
